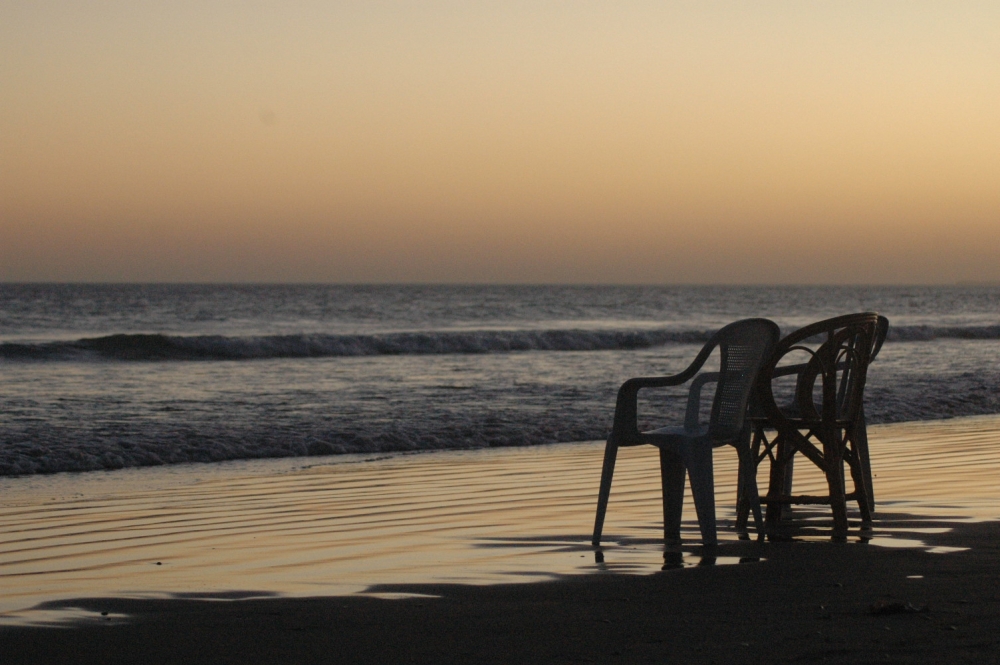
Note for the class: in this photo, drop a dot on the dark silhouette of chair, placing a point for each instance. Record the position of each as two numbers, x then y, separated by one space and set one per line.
824 421
744 346
762 448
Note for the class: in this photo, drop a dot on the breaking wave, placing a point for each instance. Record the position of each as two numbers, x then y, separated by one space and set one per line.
91 435
159 347
928 333
217 347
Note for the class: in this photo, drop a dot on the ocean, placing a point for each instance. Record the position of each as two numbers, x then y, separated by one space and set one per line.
109 376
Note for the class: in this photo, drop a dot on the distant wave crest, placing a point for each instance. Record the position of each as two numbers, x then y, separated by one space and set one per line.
217 347
158 347
928 333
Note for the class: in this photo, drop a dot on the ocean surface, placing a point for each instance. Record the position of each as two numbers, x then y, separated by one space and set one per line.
110 376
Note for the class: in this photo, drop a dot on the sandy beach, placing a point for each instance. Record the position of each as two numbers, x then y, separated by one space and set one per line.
483 556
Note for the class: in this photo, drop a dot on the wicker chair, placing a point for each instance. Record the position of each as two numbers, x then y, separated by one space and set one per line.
744 346
824 421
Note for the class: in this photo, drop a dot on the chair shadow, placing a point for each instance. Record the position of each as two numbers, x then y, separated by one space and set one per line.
637 553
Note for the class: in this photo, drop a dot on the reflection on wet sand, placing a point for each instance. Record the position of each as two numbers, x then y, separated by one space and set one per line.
344 524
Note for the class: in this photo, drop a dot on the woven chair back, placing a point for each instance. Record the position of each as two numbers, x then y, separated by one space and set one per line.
830 387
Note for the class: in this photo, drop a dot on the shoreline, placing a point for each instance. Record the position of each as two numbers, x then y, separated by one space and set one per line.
304 461
484 556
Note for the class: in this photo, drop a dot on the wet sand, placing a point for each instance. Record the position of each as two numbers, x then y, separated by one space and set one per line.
404 559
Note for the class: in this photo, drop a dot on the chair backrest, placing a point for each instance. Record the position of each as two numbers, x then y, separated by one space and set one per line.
846 346
744 347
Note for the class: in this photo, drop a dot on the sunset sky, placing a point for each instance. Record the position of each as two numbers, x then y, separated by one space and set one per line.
645 142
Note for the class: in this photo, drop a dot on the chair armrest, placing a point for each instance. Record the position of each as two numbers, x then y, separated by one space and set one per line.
626 425
692 413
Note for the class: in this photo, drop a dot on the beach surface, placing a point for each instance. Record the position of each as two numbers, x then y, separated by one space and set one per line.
484 556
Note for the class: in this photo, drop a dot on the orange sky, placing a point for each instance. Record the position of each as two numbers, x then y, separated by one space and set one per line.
500 142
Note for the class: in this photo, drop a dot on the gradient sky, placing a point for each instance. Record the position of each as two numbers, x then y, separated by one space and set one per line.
652 142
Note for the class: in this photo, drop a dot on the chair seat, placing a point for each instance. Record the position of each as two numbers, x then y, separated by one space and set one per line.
671 436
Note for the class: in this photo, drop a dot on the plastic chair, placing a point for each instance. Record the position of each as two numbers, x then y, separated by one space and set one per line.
825 422
744 346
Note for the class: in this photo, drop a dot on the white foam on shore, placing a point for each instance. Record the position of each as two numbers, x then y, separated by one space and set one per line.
340 525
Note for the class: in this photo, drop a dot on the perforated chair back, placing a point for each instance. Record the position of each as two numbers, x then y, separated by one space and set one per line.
743 348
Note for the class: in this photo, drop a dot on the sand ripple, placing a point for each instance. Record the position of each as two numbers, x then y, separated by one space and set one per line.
346 523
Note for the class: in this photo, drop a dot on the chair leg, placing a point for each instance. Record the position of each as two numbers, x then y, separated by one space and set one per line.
860 438
858 477
833 457
608 470
672 482
698 460
864 505
788 472
747 494
750 494
776 487
742 497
